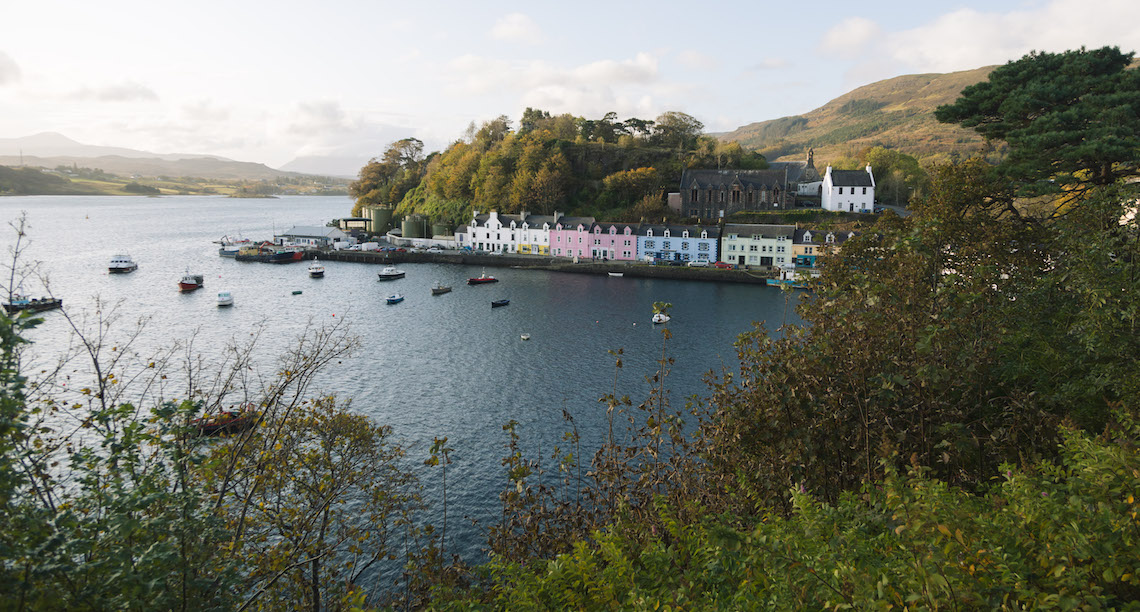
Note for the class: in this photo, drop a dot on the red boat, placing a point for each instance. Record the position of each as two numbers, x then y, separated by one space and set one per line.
190 282
482 279
227 421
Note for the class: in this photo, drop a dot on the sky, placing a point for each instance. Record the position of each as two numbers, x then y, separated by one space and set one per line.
275 81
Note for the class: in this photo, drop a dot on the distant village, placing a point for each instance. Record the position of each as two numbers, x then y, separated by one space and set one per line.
704 194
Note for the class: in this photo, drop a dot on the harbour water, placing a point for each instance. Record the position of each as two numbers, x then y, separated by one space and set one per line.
431 366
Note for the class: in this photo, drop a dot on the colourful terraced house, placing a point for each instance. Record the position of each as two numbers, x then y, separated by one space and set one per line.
614 241
677 243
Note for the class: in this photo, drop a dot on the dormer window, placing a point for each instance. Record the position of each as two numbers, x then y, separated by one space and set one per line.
649 232
685 234
807 236
666 234
830 238
613 231
628 231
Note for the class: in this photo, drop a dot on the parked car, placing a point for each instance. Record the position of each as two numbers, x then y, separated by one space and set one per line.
401 250
700 263
435 250
723 265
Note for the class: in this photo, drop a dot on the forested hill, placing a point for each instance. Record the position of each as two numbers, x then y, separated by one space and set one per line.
601 167
895 113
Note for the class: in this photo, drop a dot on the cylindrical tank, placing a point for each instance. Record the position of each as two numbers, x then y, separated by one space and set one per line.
381 217
440 229
415 227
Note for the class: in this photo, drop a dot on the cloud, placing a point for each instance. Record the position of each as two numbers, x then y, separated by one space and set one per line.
697 60
204 111
320 118
124 92
517 27
850 36
771 63
9 71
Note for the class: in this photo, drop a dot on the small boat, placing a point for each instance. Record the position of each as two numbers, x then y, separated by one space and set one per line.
395 298
525 336
439 289
226 421
390 273
498 303
121 264
482 279
616 273
191 282
225 299
268 253
297 292
660 318
19 303
316 270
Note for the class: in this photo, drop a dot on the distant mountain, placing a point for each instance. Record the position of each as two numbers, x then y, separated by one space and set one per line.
51 144
896 113
344 166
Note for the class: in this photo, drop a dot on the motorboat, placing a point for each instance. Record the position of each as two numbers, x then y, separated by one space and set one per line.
19 302
316 269
390 273
191 282
122 264
225 299
499 303
525 336
439 289
660 317
483 278
616 273
395 298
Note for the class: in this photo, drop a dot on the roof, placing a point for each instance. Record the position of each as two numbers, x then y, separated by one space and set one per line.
718 179
819 236
798 171
310 231
851 178
569 222
606 225
676 231
757 229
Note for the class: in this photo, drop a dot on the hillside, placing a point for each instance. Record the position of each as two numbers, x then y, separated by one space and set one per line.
897 113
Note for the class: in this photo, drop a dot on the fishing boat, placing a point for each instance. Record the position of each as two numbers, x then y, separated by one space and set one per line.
19 302
316 270
268 253
225 299
483 278
229 247
122 264
439 289
660 318
191 282
390 273
395 298
499 303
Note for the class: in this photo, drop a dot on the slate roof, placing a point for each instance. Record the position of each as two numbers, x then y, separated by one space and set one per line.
756 229
850 178
606 225
573 222
677 231
819 236
717 179
798 171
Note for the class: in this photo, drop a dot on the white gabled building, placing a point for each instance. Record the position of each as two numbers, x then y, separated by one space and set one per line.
522 233
848 190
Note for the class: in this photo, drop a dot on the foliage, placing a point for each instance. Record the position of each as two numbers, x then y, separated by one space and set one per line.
134 187
385 180
1070 118
1049 536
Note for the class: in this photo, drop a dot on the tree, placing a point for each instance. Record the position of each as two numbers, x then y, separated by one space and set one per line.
674 129
1071 119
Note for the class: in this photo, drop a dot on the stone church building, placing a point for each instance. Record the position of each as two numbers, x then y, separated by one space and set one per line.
715 194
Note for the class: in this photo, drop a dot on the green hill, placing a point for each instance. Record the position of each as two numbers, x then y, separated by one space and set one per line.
895 113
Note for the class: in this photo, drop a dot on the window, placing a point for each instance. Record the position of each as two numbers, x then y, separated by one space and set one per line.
752 248
693 195
666 234
665 244
684 246
649 244
779 249
704 246
685 234
626 243
864 191
732 247
752 258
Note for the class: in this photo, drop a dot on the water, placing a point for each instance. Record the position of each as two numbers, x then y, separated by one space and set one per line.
431 366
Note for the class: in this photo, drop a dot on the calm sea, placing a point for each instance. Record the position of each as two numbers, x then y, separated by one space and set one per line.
431 366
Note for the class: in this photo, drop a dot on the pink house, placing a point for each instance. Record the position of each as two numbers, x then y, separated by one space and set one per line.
614 241
570 237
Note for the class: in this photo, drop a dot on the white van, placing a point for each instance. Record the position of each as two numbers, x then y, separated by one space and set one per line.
700 263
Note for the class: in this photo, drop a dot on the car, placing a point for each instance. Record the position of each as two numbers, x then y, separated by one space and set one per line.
878 209
355 247
700 263
401 250
495 253
723 265
435 250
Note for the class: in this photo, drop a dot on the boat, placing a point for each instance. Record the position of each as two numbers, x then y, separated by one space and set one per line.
395 298
482 279
498 303
225 299
121 264
226 421
268 253
316 270
229 247
616 273
439 289
390 273
19 303
191 282
525 336
660 318
789 276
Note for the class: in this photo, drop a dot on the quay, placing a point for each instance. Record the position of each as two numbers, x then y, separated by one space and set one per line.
553 264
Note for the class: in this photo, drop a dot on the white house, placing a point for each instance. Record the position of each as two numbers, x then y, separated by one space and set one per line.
521 233
848 190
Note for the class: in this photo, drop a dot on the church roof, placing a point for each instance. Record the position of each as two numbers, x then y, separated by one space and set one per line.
724 179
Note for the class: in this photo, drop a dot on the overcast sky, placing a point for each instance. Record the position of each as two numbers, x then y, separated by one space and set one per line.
271 81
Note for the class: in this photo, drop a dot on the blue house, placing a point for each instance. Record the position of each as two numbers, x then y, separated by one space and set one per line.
683 243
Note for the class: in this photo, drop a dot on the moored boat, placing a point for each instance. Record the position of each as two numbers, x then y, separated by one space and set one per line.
390 273
266 253
191 282
225 299
483 278
616 273
395 298
661 318
19 303
229 247
316 270
499 303
439 289
121 264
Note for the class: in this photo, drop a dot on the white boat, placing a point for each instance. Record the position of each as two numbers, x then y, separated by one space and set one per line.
230 246
316 270
660 318
121 264
525 336
616 273
395 298
390 273
225 299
